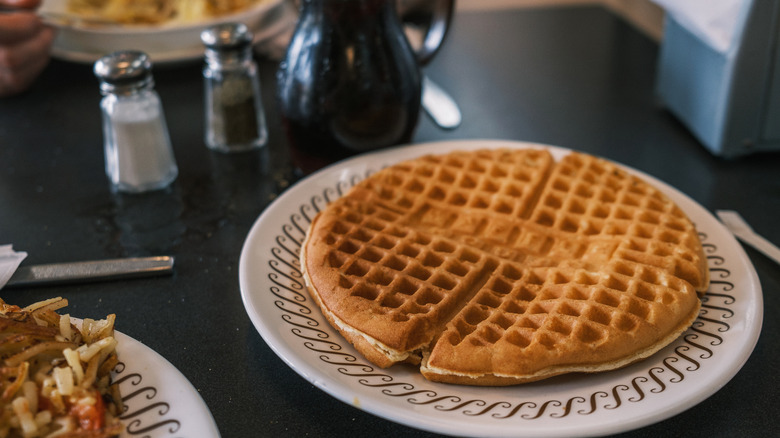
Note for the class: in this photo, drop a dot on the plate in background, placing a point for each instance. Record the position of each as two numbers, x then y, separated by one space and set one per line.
166 42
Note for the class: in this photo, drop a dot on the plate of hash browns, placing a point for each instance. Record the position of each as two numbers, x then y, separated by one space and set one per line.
529 290
167 30
63 376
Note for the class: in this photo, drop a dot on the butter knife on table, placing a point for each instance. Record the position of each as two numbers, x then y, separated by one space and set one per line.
91 271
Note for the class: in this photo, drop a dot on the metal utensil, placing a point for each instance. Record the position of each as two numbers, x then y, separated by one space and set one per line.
89 271
440 105
737 225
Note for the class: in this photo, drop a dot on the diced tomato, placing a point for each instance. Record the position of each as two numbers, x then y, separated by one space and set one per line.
90 417
44 404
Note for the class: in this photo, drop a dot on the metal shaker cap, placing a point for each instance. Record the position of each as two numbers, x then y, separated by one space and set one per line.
125 70
226 36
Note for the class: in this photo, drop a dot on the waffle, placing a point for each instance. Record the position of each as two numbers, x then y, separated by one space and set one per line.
503 266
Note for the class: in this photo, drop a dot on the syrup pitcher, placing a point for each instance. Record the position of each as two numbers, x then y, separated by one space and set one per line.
350 81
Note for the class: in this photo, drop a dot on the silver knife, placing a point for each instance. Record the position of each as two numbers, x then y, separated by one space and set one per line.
88 271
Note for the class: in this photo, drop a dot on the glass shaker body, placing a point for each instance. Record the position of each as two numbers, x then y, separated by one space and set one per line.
349 82
235 120
137 146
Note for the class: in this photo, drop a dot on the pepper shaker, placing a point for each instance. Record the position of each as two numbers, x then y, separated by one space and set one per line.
235 120
138 153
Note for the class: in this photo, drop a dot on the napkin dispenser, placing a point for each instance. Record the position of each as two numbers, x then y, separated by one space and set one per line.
729 100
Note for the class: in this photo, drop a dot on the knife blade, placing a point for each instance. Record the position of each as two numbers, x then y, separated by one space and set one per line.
90 271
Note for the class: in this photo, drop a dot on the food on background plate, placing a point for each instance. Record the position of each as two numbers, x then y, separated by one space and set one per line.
499 267
55 377
157 11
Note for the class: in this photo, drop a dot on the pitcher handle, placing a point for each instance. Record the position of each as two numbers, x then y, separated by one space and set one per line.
440 13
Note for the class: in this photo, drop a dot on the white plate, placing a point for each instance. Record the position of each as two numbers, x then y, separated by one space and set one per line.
676 378
159 400
163 43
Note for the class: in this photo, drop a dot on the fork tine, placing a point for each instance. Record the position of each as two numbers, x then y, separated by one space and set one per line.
742 230
733 220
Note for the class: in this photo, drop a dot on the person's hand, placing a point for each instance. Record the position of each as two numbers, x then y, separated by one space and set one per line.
25 44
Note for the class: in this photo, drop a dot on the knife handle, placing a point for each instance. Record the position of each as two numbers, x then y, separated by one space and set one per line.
89 271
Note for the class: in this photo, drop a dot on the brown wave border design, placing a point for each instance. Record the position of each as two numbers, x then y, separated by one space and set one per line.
143 413
697 345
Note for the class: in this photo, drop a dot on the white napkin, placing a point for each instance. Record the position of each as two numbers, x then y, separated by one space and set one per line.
713 21
9 261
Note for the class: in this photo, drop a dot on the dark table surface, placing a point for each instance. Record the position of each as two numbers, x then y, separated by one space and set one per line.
578 77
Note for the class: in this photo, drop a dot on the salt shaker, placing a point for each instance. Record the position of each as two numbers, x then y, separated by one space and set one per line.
137 145
235 120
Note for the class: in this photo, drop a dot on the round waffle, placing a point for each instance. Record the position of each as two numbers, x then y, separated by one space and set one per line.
497 267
